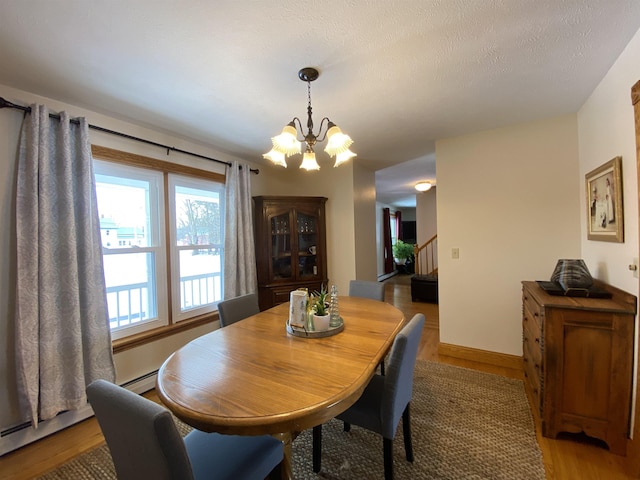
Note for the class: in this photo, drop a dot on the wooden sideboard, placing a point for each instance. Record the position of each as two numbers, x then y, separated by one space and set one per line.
578 362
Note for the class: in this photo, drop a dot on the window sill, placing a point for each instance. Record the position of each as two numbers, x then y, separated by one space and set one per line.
150 336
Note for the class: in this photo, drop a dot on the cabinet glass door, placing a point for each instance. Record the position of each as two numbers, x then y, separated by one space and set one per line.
281 246
307 245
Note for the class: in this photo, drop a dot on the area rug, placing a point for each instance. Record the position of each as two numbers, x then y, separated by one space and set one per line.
466 425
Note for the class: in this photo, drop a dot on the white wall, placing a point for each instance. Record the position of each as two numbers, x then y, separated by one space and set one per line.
364 206
426 228
509 199
606 130
408 214
426 215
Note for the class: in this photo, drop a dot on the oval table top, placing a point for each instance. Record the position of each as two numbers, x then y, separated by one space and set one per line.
252 377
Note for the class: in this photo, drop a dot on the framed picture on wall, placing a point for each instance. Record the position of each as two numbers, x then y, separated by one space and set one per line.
605 215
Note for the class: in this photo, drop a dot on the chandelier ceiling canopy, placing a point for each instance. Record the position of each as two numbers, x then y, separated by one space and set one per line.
287 143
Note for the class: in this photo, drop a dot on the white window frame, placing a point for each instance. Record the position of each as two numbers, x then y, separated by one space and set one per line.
157 242
175 180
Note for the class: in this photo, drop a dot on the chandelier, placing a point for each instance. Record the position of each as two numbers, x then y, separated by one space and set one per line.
287 143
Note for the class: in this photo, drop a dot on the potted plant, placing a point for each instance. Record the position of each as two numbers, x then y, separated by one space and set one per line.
320 310
401 252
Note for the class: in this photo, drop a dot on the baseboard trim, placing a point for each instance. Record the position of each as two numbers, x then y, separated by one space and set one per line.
483 356
22 434
387 275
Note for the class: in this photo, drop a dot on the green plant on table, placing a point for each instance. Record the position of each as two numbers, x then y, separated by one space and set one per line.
320 306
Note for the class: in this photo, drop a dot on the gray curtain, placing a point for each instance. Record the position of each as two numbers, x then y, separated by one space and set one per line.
239 251
63 341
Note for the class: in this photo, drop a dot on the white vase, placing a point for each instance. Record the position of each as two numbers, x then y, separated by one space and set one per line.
321 322
400 261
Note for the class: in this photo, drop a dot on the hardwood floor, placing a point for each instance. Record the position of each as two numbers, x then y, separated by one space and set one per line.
566 458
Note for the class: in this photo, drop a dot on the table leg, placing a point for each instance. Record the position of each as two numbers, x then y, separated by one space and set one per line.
286 438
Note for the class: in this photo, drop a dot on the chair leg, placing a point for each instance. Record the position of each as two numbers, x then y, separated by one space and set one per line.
387 447
276 473
382 367
406 430
346 427
317 448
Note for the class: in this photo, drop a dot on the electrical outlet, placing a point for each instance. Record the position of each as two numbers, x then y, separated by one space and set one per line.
455 253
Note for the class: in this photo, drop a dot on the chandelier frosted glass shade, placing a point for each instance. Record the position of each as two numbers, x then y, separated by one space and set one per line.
276 157
309 161
286 143
343 157
337 142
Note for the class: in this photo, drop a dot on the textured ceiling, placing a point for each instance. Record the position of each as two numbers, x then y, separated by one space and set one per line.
394 74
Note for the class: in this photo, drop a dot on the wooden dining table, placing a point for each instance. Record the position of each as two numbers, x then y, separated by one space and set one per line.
253 377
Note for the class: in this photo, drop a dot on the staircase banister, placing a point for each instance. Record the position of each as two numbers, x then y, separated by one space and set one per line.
429 270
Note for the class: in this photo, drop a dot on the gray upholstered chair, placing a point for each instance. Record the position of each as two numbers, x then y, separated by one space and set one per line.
238 308
145 443
366 289
385 399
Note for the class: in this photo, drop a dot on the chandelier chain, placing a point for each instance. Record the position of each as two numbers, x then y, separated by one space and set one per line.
309 119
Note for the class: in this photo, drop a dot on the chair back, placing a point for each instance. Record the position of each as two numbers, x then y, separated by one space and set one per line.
366 289
398 380
238 308
142 436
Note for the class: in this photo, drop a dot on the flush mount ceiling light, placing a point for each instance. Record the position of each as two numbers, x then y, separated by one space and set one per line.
287 143
423 186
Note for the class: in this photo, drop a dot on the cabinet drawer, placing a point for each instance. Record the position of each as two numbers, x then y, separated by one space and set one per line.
532 340
275 295
281 295
532 314
533 375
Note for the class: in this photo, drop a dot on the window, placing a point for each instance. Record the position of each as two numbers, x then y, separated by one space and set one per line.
162 241
197 244
393 224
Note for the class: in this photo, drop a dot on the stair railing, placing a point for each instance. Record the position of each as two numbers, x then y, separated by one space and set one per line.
426 257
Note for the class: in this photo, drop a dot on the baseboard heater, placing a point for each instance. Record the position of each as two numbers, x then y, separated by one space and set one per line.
19 435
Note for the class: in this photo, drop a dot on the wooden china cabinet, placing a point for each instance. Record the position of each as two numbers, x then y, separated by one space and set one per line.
291 247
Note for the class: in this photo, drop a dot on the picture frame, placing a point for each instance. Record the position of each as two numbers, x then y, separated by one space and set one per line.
605 213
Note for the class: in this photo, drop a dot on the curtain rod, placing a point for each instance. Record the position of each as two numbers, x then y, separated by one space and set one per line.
6 104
